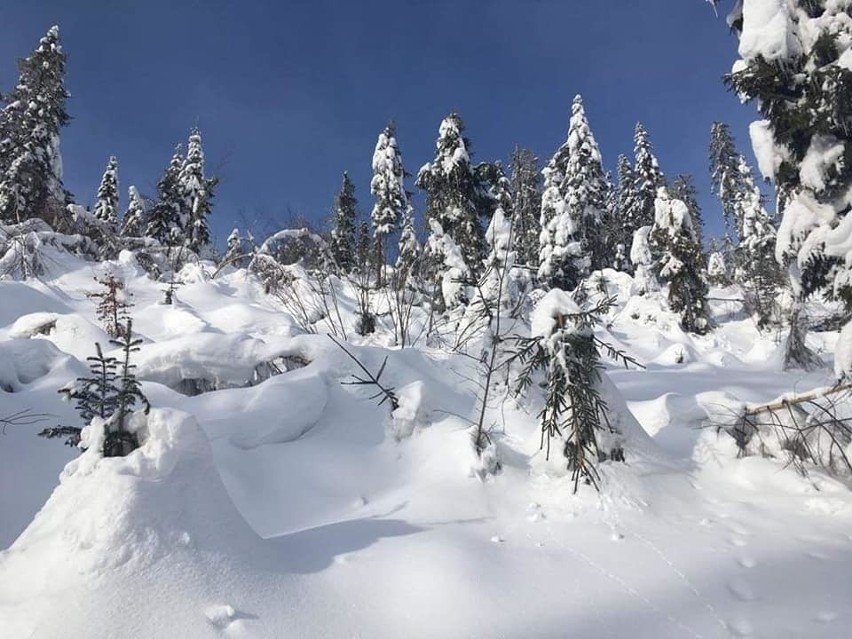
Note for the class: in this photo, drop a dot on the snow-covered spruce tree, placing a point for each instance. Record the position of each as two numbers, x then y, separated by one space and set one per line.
449 268
623 204
455 196
197 195
573 203
750 229
30 162
134 221
683 188
343 239
564 347
164 223
388 190
679 262
725 177
794 64
408 248
525 185
647 179
106 205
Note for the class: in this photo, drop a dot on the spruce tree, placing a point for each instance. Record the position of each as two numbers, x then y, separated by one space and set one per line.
164 221
624 203
119 441
343 240
726 178
34 113
573 204
388 189
801 81
683 189
525 185
455 195
106 206
197 195
679 262
408 249
134 221
647 179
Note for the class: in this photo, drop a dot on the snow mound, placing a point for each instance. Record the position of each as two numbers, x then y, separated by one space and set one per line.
23 361
112 517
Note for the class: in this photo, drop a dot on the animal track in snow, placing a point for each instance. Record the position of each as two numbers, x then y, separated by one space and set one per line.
747 562
741 590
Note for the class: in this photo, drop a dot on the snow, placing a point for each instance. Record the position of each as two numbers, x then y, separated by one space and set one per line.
769 157
545 317
298 507
768 30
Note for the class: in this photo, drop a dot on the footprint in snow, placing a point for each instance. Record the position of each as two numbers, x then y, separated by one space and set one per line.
740 628
825 616
739 542
220 616
747 562
741 590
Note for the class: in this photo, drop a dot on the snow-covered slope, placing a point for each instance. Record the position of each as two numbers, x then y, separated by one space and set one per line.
293 506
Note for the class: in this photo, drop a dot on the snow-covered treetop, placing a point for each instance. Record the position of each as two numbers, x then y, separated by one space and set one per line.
671 215
551 312
391 200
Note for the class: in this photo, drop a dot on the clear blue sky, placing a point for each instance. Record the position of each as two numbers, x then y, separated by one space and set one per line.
289 94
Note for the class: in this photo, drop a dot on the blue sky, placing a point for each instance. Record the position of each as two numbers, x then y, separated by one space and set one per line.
289 94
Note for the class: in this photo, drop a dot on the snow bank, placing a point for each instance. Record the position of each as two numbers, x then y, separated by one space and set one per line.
110 518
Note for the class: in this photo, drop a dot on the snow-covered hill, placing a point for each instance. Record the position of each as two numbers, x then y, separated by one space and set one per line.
292 505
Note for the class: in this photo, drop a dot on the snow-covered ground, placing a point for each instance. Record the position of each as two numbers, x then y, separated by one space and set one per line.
294 506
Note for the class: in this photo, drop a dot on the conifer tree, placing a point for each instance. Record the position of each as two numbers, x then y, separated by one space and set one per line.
525 185
134 221
683 189
624 203
750 229
118 441
388 189
34 113
197 195
455 195
343 239
363 248
408 250
164 221
647 179
106 207
573 204
801 81
679 262
112 305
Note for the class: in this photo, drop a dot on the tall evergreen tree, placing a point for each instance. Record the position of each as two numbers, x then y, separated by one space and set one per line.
525 185
647 179
683 189
388 189
133 223
164 223
679 262
106 206
408 249
343 241
197 195
455 195
573 204
802 83
624 204
726 178
34 113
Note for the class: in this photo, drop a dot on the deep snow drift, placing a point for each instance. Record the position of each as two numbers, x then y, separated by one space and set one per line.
270 500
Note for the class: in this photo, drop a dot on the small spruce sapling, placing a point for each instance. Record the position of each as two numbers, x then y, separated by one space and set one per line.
564 347
119 441
113 304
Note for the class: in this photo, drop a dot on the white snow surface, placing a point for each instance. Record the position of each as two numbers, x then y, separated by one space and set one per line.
298 507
